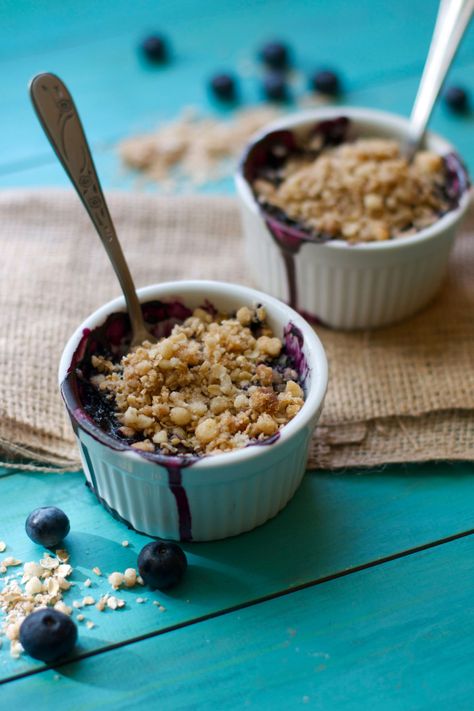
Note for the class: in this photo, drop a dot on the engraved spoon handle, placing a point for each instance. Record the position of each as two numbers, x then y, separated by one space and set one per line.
451 23
60 120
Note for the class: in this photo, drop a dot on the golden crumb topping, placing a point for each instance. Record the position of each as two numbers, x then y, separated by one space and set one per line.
211 386
362 191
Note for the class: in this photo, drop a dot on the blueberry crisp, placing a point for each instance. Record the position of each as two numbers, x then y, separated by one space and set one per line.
213 383
362 190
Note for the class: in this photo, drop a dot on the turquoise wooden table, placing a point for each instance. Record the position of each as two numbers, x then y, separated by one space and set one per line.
359 594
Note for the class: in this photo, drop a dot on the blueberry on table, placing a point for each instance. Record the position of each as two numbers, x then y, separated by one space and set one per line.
47 526
223 86
456 98
326 82
155 48
275 55
162 564
48 634
274 86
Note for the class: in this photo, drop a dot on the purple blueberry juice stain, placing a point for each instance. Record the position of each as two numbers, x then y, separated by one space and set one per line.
266 158
175 481
94 412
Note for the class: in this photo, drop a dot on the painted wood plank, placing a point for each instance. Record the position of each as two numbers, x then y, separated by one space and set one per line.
395 95
397 636
335 523
93 47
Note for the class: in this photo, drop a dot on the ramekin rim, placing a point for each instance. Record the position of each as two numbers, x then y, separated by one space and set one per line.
314 397
384 118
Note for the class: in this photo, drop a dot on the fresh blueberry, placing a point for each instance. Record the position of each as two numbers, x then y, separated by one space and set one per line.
223 86
275 55
326 82
162 564
274 86
48 634
456 98
155 48
47 526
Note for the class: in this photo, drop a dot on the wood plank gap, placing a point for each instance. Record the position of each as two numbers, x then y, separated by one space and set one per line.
242 606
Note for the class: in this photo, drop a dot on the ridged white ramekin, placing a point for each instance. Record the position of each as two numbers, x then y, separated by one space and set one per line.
217 496
352 286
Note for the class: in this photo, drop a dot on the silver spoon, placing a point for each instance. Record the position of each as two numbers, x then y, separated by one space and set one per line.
60 121
451 23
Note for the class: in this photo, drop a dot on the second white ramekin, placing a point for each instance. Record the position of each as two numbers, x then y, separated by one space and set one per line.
217 496
358 286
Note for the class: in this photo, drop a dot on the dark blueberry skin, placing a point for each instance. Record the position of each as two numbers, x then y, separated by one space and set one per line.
48 634
155 48
456 98
47 526
274 87
162 564
326 82
275 55
223 86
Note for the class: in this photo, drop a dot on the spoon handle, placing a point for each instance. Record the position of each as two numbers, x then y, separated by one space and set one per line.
451 23
60 120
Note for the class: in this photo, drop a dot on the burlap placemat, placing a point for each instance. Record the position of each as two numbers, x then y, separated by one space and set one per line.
399 394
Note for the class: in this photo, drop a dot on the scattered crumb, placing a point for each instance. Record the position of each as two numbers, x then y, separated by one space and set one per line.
97 571
88 600
125 544
157 603
115 580
77 604
90 625
130 577
114 602
3 546
141 600
40 585
62 607
10 562
80 617
162 609
15 649
191 149
62 555
102 602
87 583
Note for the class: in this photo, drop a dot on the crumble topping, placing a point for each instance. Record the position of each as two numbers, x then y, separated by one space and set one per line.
360 191
216 384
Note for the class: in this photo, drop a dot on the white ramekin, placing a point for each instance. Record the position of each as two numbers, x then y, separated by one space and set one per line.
217 496
352 286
